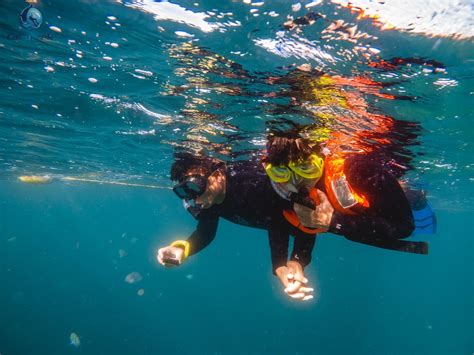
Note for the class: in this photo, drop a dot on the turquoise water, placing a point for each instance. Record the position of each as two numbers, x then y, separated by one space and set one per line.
111 90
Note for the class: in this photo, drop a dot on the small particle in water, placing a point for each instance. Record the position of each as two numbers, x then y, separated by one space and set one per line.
114 45
122 253
189 276
93 80
374 50
183 34
35 106
134 240
49 69
112 18
313 3
141 292
75 341
11 239
133 277
55 29
107 58
144 72
296 7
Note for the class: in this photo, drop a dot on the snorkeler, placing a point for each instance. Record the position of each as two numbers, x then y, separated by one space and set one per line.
241 193
352 194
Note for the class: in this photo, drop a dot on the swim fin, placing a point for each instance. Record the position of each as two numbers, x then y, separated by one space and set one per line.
425 220
423 215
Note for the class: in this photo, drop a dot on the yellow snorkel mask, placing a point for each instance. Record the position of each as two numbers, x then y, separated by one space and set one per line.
310 169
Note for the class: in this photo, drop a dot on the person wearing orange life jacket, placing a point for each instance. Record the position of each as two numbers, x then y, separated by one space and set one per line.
351 195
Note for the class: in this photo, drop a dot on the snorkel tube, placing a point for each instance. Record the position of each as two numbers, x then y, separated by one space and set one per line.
194 210
304 197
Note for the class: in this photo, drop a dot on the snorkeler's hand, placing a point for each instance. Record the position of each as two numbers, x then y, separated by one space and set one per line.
170 256
292 277
318 218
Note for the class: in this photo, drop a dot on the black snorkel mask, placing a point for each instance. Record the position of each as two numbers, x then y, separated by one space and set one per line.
190 189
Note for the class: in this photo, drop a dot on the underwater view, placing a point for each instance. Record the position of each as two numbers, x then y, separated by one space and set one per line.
129 127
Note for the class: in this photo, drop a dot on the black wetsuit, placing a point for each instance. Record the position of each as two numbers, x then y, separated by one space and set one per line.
251 201
389 217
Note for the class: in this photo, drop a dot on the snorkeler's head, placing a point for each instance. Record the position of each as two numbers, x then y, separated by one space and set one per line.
289 146
200 179
293 163
186 164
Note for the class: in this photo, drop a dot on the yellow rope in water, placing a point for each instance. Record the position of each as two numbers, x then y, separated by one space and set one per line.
69 178
38 179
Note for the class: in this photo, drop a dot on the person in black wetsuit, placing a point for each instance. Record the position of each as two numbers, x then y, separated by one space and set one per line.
240 192
347 194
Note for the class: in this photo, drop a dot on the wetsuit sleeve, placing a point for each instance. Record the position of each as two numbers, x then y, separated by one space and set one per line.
278 237
205 232
389 215
303 248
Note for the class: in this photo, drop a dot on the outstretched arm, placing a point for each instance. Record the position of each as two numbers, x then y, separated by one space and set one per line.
205 232
290 273
179 250
303 248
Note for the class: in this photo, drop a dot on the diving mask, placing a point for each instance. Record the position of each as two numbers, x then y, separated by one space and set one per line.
310 169
191 188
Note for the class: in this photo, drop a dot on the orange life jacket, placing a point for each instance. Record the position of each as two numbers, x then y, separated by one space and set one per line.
339 192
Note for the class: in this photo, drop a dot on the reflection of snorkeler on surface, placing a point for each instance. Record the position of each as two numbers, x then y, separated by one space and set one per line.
241 193
338 106
203 72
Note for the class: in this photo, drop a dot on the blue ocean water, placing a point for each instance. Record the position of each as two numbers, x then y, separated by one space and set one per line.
106 91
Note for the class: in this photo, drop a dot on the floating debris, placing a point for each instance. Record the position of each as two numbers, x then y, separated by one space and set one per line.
31 17
35 179
133 277
141 292
93 80
75 341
